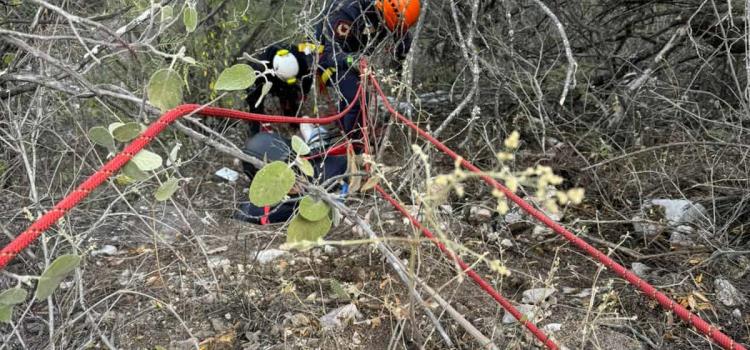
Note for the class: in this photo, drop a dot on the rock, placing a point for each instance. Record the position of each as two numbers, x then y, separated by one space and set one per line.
480 214
340 317
537 295
727 293
527 310
640 269
269 255
678 239
506 243
736 313
676 212
105 250
330 250
446 208
569 290
552 327
680 211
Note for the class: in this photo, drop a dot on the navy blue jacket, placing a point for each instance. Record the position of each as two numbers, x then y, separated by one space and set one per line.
353 27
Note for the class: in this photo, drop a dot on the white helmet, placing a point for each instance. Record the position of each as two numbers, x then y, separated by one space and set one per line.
286 66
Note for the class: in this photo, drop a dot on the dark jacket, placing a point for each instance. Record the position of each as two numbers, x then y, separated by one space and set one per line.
353 27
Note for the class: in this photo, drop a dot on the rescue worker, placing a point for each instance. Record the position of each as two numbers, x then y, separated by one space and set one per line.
350 29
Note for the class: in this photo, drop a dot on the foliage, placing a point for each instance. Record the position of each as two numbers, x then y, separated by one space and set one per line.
54 274
165 89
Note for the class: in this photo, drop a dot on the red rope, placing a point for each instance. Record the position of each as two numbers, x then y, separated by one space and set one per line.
667 303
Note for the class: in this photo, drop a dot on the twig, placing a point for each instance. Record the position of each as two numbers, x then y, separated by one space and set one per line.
570 76
401 270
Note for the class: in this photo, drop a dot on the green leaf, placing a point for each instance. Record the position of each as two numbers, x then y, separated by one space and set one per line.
271 184
167 13
263 92
131 171
111 128
167 189
305 166
127 132
101 136
147 160
165 89
300 146
190 19
301 229
6 311
12 296
237 77
312 210
8 58
55 273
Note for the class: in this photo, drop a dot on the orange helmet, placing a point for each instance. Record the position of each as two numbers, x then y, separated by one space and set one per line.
398 14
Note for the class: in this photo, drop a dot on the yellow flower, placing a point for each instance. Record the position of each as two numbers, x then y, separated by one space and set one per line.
512 141
459 190
502 207
498 267
576 195
551 205
505 156
512 183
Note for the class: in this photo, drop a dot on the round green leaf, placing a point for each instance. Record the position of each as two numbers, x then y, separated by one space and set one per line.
131 172
237 77
271 184
300 146
301 229
12 296
147 160
6 311
312 210
165 89
190 19
167 13
305 166
127 132
55 273
167 189
114 126
102 137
